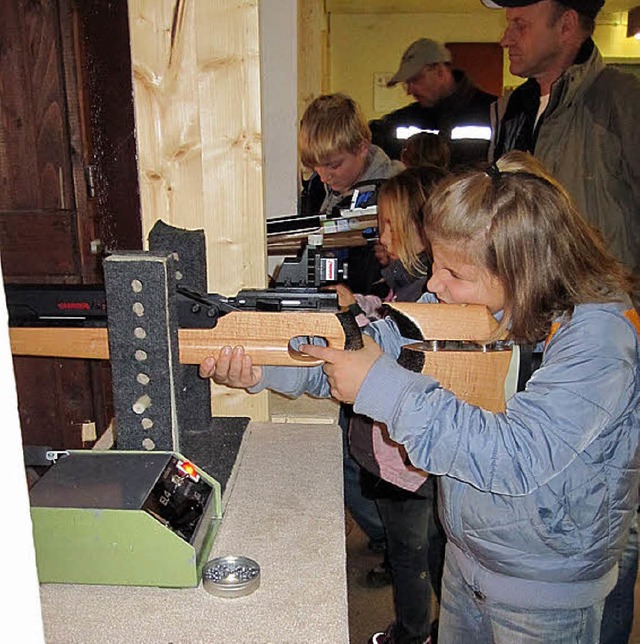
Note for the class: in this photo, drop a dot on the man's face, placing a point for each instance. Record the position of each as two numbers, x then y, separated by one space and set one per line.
532 39
426 85
343 169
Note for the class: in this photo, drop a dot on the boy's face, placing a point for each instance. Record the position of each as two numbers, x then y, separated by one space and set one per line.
341 170
457 281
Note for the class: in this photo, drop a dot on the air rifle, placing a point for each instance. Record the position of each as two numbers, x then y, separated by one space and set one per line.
448 341
71 322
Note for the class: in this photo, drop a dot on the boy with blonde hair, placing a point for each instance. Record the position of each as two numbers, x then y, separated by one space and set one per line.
335 142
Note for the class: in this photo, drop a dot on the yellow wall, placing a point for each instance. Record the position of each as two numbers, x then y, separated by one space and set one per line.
363 44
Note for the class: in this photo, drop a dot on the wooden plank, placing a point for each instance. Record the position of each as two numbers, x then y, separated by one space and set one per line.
167 112
60 342
34 157
293 243
475 376
196 68
313 54
39 246
265 335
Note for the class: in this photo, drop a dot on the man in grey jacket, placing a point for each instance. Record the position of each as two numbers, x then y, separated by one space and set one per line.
575 114
581 119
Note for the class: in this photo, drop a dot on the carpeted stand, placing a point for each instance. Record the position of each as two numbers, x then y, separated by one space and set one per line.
216 450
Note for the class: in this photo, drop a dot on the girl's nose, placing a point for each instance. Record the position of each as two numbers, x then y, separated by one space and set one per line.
434 283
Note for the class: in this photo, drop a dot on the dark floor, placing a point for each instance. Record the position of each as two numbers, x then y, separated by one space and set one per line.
371 609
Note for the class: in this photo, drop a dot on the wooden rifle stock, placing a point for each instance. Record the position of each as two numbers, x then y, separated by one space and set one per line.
474 371
265 335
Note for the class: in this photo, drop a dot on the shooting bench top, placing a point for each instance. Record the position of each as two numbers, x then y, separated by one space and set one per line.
286 511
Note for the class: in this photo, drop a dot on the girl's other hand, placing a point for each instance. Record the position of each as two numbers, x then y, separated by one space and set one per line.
345 296
233 368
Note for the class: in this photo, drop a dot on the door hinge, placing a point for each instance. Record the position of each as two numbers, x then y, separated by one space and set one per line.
90 178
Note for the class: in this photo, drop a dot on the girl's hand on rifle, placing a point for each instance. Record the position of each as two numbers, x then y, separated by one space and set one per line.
345 370
233 368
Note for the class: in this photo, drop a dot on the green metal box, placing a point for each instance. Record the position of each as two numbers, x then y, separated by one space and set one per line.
124 518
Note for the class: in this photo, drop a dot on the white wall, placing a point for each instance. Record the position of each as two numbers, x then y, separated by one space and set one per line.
20 614
278 57
363 44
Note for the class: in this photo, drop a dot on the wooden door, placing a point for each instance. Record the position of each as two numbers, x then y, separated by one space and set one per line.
482 62
69 184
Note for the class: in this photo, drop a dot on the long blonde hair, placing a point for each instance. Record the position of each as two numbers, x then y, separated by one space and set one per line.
404 197
516 221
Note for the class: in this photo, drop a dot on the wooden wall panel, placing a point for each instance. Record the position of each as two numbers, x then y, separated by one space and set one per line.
313 54
482 62
34 121
196 72
228 57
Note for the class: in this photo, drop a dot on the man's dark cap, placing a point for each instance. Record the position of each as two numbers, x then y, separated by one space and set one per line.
587 7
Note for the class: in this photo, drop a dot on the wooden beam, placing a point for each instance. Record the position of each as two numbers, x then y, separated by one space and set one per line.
197 96
266 337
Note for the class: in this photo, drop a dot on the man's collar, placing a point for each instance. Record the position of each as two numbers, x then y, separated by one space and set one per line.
584 52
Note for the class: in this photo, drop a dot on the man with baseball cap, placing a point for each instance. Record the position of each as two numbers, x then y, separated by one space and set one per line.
574 113
581 118
587 7
446 102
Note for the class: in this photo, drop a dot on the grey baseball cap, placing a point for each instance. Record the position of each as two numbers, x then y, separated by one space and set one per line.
587 7
419 53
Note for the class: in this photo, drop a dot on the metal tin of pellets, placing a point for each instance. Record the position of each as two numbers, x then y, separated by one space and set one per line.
231 576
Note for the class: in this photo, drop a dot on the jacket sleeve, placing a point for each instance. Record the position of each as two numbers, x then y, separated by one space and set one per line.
586 381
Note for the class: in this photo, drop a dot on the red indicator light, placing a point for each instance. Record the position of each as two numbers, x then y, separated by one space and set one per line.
189 469
73 306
